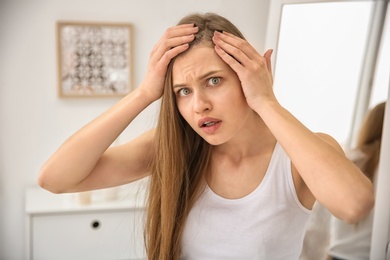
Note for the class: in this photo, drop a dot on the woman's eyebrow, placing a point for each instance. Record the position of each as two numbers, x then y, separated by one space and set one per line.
204 76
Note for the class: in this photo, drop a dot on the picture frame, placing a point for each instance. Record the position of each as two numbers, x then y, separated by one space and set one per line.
94 59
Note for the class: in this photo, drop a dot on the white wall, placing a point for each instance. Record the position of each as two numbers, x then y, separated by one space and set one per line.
34 121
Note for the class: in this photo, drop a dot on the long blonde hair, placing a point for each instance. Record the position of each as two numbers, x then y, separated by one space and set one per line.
181 160
369 139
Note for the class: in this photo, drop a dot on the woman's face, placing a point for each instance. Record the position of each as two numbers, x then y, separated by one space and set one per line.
209 95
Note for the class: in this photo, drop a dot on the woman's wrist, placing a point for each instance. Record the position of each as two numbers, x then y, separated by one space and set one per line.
265 105
147 94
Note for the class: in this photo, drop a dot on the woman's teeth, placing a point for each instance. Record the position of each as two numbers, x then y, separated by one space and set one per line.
208 123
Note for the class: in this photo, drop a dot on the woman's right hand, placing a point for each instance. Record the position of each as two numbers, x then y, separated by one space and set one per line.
85 161
174 41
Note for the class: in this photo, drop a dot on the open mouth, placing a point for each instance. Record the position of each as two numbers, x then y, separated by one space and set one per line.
210 123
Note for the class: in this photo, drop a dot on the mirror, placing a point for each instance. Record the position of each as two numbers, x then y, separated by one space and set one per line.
322 53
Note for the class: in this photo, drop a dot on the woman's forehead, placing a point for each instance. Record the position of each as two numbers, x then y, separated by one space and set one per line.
195 63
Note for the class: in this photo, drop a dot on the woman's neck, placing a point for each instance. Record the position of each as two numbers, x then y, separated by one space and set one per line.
254 139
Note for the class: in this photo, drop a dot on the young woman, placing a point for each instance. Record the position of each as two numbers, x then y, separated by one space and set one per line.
353 241
233 173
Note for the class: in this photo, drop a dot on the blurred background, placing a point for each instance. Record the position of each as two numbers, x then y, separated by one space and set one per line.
331 63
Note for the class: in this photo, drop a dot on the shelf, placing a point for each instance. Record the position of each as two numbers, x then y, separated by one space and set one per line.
131 196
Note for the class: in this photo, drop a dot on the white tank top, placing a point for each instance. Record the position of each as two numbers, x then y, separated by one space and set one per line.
269 223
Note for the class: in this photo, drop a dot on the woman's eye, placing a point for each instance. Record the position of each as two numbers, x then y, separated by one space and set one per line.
184 92
214 81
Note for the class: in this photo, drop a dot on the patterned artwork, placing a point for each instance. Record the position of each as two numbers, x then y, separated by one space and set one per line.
94 59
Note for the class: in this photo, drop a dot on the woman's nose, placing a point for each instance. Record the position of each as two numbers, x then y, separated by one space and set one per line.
201 102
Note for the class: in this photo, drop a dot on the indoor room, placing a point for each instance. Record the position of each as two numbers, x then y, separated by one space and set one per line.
330 65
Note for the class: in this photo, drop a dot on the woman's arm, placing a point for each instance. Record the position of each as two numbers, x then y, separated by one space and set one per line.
325 173
85 161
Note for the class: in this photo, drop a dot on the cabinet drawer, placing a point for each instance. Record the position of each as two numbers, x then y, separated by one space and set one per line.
93 235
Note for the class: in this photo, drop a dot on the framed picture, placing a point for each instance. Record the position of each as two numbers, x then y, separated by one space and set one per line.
94 59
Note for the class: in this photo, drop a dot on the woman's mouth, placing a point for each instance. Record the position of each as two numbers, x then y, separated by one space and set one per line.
206 124
209 125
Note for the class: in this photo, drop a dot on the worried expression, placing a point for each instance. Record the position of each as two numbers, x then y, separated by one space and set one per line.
209 95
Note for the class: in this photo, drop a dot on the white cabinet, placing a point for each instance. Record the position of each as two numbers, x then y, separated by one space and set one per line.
60 228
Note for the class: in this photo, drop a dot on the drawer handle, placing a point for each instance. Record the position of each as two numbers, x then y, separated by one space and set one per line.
95 224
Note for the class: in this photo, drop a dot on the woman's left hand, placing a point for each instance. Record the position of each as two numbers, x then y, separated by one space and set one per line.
253 69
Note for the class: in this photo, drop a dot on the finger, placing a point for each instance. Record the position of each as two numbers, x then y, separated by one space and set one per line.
174 37
173 52
267 56
229 59
237 42
229 50
180 30
179 35
176 31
